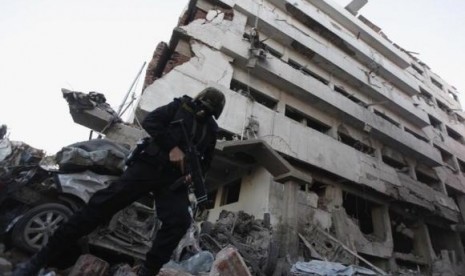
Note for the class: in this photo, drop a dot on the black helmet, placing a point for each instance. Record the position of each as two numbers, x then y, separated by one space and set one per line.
213 100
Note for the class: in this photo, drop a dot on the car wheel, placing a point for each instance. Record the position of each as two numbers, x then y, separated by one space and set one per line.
37 225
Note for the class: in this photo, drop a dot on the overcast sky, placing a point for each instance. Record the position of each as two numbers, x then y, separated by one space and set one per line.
90 45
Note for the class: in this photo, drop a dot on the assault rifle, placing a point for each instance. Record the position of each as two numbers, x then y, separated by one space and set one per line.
192 165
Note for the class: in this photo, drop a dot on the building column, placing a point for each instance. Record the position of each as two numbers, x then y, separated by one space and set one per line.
461 204
456 164
422 242
289 223
378 152
333 132
382 225
412 163
281 107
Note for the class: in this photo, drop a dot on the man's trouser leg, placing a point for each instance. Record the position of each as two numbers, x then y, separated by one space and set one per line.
172 210
134 183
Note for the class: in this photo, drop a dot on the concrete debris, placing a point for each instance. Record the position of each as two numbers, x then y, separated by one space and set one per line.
323 246
229 263
123 270
250 236
172 272
16 157
325 268
19 164
89 265
5 266
91 111
200 262
443 266
92 102
80 101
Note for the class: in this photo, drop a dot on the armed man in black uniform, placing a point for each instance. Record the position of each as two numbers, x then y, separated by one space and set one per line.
155 169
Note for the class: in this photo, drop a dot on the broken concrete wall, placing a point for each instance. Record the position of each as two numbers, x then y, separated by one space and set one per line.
444 240
155 66
253 197
232 120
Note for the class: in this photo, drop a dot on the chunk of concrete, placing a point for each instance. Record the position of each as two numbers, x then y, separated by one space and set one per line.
5 267
89 265
172 272
229 263
124 270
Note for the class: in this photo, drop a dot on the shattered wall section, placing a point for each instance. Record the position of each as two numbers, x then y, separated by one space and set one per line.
156 65
206 67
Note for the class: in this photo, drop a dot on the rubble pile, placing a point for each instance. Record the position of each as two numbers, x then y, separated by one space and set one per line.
251 237
16 157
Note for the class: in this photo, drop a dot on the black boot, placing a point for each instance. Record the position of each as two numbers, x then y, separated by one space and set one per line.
33 265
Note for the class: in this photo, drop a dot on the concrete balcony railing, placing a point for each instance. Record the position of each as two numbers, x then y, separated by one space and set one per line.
360 51
343 17
331 60
312 91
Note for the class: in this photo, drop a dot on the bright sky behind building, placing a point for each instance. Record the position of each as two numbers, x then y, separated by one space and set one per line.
100 45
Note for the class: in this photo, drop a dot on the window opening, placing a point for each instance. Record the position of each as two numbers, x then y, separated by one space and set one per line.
444 239
394 163
273 52
356 144
419 71
416 135
435 122
460 118
428 178
256 95
356 100
436 83
387 118
402 234
461 165
442 106
446 157
454 134
453 193
428 97
300 117
231 192
360 211
307 71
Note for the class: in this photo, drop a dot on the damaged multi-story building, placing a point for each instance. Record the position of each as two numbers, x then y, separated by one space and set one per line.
341 139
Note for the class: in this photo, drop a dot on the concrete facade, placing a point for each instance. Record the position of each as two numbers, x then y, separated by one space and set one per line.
364 142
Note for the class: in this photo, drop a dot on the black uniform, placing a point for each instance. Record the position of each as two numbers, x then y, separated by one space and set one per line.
152 171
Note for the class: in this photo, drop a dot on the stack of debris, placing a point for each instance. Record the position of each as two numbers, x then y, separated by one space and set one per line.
252 238
228 262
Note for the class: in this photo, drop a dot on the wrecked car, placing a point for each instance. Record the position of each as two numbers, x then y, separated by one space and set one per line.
39 193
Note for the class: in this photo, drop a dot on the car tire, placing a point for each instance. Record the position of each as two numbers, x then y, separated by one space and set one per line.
37 225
